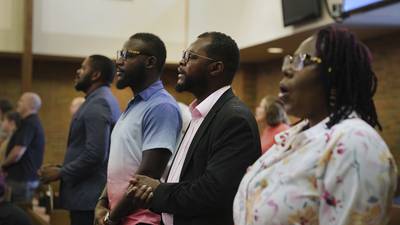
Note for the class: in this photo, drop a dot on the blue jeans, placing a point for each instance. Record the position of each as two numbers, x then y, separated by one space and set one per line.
22 191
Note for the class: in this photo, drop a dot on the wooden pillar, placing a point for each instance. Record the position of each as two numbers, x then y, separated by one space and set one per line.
27 59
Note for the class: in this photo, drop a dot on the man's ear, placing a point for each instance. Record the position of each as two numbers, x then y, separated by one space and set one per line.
151 62
96 75
216 68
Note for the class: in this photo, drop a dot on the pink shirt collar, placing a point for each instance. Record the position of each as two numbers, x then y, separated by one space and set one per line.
202 109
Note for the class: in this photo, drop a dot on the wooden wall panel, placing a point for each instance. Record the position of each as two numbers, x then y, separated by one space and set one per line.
386 52
53 80
10 81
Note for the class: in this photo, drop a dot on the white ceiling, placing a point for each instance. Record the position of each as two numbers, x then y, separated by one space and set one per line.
388 16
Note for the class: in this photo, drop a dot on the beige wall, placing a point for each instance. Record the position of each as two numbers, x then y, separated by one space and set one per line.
249 22
80 28
76 28
11 25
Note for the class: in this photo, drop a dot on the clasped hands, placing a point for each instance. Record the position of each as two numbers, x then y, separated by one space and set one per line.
49 173
138 195
141 190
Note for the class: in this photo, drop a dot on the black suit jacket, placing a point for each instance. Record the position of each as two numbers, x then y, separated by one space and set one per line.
224 146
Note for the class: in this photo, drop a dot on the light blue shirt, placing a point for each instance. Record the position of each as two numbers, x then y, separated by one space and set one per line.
151 120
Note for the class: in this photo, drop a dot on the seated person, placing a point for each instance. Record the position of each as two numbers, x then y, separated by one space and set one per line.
332 168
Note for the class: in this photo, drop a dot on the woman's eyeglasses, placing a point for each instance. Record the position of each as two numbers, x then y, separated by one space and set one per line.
299 61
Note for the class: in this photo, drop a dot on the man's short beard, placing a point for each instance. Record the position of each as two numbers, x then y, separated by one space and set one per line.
84 84
180 87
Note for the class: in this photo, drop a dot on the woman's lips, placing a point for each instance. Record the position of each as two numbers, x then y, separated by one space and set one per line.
283 94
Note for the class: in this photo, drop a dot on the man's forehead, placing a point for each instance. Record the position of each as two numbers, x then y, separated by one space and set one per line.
85 61
200 44
134 44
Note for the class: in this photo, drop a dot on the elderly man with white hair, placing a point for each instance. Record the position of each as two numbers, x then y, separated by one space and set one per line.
24 153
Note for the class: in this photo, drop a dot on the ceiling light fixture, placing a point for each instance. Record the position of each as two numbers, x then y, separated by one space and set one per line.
275 50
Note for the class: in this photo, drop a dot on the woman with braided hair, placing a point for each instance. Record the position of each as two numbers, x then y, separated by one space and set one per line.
332 168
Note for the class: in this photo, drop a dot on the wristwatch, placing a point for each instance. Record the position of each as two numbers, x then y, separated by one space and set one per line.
107 220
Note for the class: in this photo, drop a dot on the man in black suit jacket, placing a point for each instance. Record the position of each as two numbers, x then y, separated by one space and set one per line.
221 142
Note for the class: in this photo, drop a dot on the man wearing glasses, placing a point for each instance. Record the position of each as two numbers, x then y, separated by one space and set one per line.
221 142
145 136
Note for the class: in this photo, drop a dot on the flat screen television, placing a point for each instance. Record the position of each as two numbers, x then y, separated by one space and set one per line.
299 11
351 5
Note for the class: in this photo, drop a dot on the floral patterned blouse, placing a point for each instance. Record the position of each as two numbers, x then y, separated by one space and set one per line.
344 175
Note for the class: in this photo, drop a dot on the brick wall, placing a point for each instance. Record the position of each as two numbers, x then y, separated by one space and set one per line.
386 53
53 80
9 78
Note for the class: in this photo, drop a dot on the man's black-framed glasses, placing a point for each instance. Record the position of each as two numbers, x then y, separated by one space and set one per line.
127 54
187 55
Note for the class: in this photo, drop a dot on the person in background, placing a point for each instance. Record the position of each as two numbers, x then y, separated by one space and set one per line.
76 104
25 151
271 119
84 171
146 134
5 106
11 122
332 168
10 214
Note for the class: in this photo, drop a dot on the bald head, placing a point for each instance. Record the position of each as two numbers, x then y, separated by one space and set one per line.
29 103
75 104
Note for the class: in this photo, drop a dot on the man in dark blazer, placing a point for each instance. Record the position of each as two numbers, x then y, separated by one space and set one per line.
83 173
222 141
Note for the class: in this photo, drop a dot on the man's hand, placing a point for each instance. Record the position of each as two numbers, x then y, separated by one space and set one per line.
49 173
134 198
99 214
140 180
141 196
